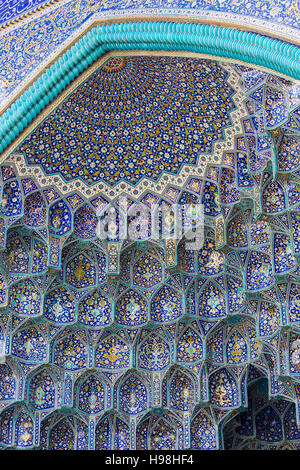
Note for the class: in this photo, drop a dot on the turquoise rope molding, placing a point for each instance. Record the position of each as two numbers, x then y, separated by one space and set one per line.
206 39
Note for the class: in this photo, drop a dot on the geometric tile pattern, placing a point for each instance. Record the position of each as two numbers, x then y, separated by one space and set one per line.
106 344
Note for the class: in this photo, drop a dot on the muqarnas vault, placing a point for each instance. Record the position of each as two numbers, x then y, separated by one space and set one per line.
141 343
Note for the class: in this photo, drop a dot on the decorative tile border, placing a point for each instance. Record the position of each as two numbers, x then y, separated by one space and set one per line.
204 39
87 15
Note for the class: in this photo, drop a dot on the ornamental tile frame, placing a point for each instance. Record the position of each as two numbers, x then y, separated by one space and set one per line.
86 10
166 35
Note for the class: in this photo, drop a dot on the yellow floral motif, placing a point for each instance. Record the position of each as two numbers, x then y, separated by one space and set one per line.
113 355
79 272
221 393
